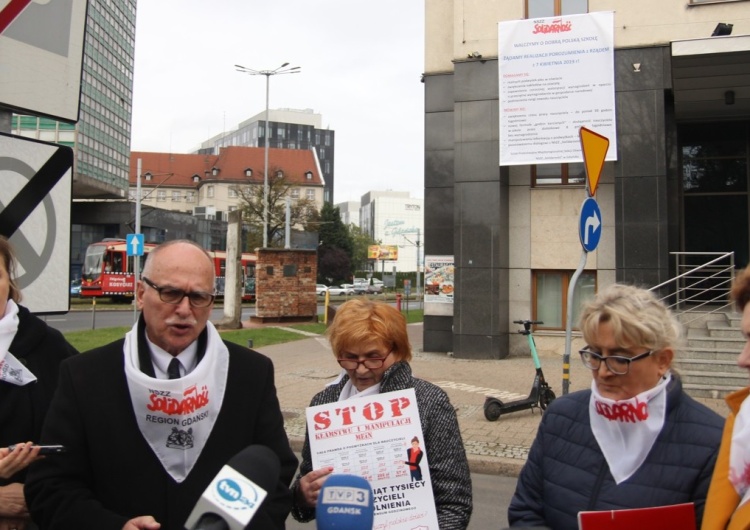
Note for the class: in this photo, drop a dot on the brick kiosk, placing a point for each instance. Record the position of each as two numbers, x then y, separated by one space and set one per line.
285 285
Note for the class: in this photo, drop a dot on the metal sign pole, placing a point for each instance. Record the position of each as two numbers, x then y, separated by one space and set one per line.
569 323
137 259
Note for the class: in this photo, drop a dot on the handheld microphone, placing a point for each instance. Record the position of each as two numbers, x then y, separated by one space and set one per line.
345 501
237 492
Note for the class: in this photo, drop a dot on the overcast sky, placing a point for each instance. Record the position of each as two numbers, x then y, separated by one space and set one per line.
361 64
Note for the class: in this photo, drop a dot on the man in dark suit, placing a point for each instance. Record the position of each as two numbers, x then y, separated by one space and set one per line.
149 420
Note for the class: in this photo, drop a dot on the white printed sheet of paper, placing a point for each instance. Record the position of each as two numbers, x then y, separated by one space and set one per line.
556 75
379 438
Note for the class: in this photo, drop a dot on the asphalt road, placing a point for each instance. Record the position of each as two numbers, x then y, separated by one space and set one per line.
81 320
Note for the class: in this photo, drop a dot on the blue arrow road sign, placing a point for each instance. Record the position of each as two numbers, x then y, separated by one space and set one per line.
590 224
134 242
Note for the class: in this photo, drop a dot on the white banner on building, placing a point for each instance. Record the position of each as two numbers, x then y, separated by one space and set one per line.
556 76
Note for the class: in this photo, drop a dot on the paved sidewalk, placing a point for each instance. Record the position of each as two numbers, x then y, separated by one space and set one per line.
501 447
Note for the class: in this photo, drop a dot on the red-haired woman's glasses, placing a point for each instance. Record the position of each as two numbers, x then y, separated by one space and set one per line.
370 362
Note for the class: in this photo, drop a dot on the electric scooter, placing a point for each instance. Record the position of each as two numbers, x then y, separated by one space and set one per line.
541 394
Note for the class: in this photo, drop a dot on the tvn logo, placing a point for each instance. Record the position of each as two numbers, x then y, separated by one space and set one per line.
346 495
231 495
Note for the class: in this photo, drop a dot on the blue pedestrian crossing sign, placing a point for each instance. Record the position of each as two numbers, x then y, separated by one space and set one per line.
590 224
134 242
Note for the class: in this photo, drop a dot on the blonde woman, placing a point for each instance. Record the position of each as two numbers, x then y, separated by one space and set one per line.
635 439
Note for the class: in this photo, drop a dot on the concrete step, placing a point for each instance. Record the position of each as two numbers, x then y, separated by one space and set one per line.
717 379
718 343
698 319
722 329
708 365
707 354
708 391
735 319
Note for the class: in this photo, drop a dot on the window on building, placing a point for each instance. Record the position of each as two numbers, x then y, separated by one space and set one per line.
232 193
294 193
310 195
176 196
550 296
209 191
551 8
161 195
558 174
190 196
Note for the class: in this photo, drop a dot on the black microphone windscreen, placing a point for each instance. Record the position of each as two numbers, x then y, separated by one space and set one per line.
258 463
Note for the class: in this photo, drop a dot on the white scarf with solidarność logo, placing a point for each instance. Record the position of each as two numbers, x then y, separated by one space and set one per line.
11 369
627 429
176 416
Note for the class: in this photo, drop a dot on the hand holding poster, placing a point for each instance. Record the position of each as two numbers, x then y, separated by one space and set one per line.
380 438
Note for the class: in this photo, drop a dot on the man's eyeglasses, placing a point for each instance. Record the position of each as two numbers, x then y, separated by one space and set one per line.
370 363
617 364
171 295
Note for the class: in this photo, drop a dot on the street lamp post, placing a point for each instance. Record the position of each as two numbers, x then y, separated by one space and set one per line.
283 69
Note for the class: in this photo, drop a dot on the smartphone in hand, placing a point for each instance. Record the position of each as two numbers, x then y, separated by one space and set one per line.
47 449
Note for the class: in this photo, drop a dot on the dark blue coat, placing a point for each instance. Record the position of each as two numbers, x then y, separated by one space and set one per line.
566 471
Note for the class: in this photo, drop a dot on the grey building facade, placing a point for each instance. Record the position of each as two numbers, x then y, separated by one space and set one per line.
489 216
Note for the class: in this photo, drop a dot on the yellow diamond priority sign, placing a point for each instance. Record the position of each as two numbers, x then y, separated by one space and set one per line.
594 147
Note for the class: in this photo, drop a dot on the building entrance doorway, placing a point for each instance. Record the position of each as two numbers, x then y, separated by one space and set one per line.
714 162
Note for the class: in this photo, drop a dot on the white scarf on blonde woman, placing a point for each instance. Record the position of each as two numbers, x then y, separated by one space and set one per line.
176 416
739 453
627 429
11 369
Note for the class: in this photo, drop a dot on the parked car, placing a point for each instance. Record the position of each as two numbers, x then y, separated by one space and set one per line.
340 290
320 289
376 287
361 287
75 288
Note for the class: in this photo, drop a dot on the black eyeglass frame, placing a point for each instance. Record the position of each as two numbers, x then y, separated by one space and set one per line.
379 362
177 301
620 358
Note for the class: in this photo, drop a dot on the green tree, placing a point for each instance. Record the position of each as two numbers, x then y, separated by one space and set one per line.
360 243
335 247
302 211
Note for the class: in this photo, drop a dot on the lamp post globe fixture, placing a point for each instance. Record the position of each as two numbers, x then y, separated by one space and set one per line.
283 69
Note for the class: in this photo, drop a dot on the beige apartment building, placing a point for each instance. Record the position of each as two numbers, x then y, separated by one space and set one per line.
210 186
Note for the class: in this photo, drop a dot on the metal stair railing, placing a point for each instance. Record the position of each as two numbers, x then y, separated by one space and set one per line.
698 290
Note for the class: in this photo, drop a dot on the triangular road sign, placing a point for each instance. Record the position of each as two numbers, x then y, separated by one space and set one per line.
594 147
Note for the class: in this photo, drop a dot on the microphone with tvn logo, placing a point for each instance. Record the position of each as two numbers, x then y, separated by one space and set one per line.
237 491
345 501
